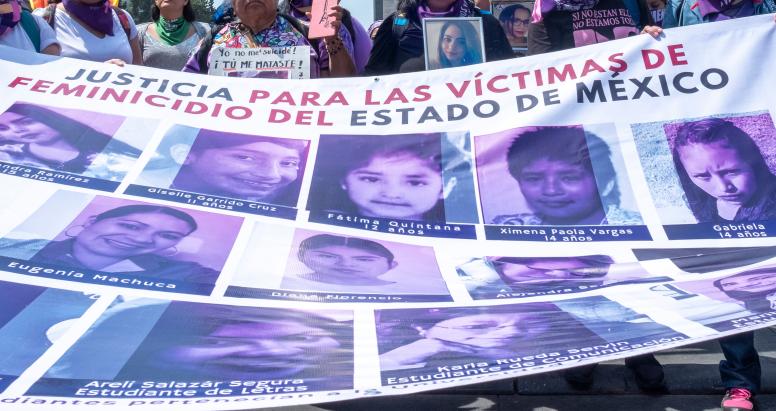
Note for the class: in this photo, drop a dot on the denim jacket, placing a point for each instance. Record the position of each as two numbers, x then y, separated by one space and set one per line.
686 12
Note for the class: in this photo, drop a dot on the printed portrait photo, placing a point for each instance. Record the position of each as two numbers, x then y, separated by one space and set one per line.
323 262
418 341
410 177
510 277
235 166
753 289
155 340
453 42
31 320
140 243
90 144
514 16
549 176
710 170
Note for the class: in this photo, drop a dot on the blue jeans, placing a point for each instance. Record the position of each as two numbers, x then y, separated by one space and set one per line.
741 366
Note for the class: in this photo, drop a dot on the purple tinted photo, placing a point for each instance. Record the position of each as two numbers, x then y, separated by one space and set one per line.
560 175
245 167
725 167
131 237
434 337
193 342
325 262
60 139
753 289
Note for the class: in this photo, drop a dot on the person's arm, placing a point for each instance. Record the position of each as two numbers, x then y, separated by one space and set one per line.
497 45
137 52
383 54
340 61
48 39
538 39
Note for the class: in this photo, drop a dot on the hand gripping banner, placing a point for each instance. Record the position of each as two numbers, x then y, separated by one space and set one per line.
223 243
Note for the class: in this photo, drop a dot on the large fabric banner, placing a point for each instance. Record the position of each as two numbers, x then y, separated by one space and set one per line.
171 240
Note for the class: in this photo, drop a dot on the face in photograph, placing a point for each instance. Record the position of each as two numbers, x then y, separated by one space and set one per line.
458 44
482 330
345 260
723 172
553 270
401 186
514 20
240 166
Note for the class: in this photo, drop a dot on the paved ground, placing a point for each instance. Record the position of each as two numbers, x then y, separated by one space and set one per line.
691 374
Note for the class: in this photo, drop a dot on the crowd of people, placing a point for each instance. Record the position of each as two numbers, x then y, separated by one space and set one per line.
177 39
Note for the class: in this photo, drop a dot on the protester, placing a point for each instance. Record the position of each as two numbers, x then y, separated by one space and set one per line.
399 46
22 30
559 25
94 30
168 41
354 36
126 239
723 173
685 13
260 25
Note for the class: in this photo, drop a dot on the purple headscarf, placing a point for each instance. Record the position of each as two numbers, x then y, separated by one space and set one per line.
460 8
98 17
10 14
543 7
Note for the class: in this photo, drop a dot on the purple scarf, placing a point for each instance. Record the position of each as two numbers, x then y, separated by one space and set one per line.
544 7
716 10
296 5
461 8
10 14
98 17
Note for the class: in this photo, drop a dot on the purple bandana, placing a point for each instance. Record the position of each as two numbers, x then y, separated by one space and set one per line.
543 7
10 14
298 4
98 17
716 10
461 8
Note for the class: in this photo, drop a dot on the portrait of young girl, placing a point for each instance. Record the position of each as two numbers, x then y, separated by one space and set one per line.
710 170
47 138
413 177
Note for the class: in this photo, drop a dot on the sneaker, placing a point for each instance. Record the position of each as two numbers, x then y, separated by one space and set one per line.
737 399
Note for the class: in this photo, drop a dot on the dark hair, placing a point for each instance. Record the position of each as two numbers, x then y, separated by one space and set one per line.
756 302
81 136
710 131
354 152
148 209
212 139
593 261
188 12
568 144
186 323
327 240
507 16
410 7
472 55
396 328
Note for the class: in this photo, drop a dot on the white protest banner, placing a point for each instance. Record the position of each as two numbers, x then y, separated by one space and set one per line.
173 240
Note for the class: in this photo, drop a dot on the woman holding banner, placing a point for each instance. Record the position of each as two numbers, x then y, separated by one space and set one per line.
399 45
22 30
170 38
260 25
684 13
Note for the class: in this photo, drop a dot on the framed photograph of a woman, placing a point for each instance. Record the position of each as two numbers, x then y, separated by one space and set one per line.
514 16
36 316
69 146
711 177
559 183
122 243
335 267
253 351
453 42
412 184
249 173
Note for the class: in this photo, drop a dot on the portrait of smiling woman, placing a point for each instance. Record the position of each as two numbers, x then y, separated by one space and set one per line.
723 172
459 42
